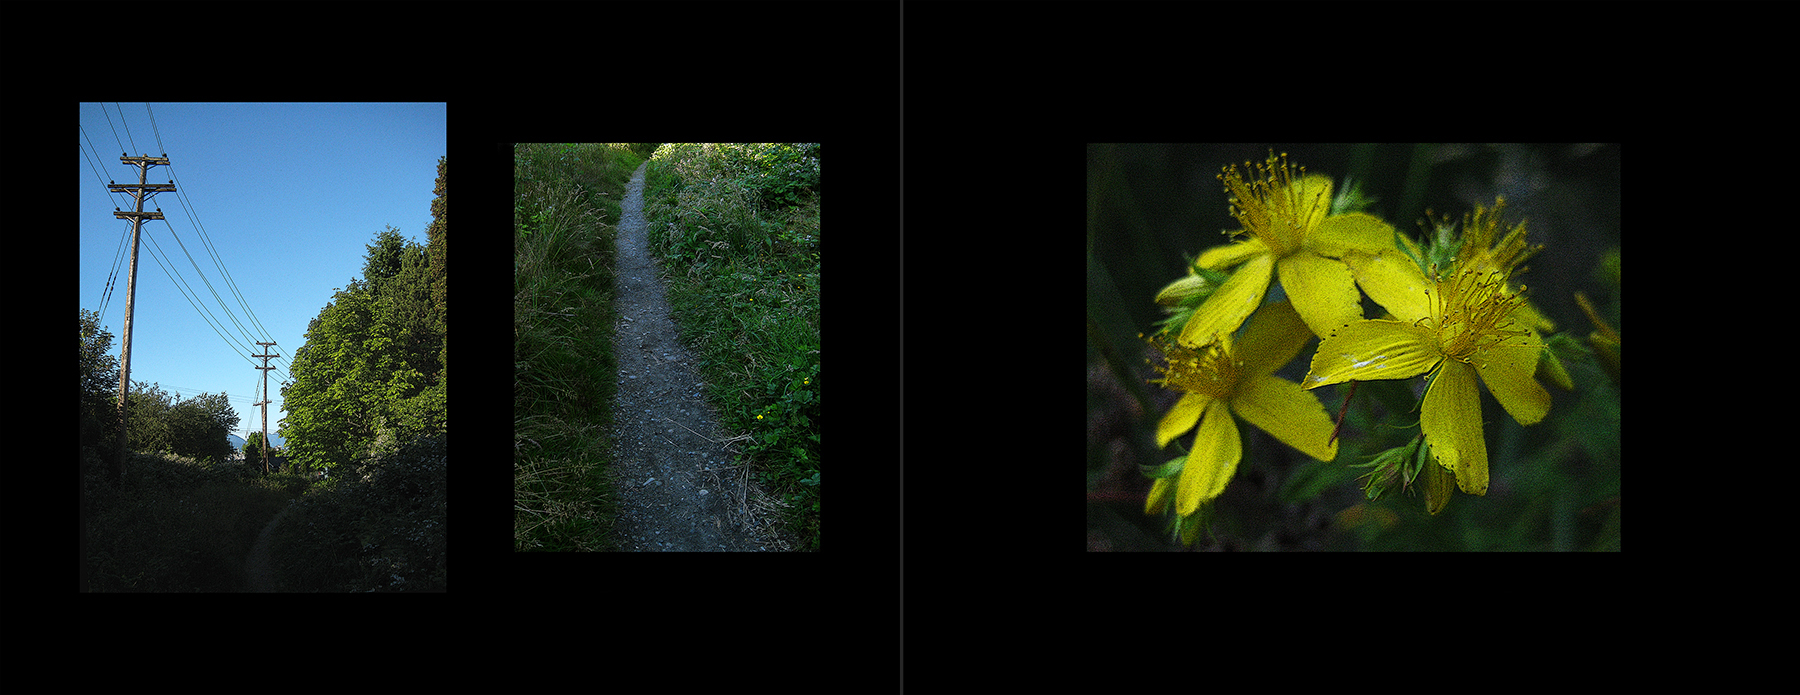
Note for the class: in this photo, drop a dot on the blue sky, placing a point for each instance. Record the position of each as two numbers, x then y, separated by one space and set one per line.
288 195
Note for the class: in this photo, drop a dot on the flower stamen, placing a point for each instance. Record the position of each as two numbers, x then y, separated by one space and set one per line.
1471 311
1272 205
1208 369
1506 255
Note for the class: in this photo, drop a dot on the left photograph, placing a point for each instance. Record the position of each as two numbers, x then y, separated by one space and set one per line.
263 320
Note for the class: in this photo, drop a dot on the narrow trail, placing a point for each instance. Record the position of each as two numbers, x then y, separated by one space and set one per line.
680 484
256 565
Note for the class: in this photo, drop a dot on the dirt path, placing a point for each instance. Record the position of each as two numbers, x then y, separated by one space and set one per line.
256 565
680 487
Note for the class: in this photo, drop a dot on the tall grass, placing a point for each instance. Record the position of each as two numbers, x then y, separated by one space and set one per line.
566 203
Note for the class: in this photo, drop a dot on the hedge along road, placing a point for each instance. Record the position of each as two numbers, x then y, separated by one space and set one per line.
679 482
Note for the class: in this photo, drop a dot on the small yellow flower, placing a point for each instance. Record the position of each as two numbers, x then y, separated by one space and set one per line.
1463 329
1396 282
1223 381
1478 252
1291 236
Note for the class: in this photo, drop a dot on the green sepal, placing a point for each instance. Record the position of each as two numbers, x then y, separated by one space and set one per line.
1167 469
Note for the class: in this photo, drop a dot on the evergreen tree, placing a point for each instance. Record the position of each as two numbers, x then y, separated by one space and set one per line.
437 240
370 377
383 259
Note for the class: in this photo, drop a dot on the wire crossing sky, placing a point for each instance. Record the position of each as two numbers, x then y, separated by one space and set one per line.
274 207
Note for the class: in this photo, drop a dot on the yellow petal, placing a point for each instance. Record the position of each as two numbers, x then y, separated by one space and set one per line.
1231 255
1512 383
1393 281
1314 194
1272 338
1212 462
1226 309
1373 349
1355 230
1323 291
1181 418
1451 420
1295 417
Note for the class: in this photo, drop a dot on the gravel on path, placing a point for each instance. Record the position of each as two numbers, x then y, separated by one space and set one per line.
680 484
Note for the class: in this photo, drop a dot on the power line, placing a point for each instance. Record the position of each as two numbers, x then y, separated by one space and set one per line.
182 286
209 287
206 239
127 126
153 128
118 254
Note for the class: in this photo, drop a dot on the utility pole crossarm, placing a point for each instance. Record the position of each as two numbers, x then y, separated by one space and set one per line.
146 159
151 187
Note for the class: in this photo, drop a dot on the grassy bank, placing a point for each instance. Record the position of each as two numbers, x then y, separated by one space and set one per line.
566 206
736 228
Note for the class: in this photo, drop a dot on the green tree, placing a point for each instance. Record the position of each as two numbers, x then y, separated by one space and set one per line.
408 345
384 258
253 449
198 426
99 394
195 427
371 374
326 423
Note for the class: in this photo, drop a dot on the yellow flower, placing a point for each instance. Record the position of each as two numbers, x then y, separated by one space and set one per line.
1396 282
1224 379
1290 236
1463 327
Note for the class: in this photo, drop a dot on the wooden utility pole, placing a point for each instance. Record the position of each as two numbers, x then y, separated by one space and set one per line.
142 191
265 403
